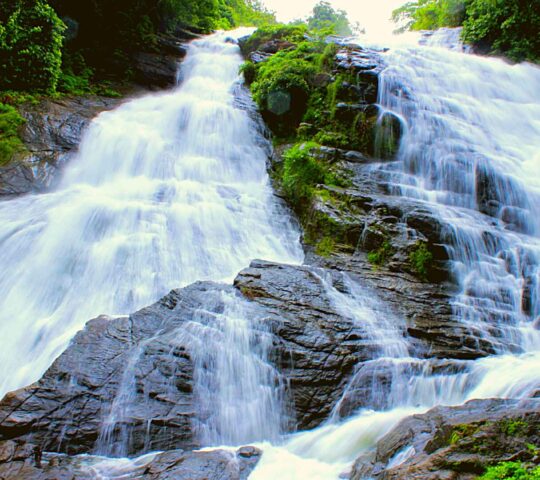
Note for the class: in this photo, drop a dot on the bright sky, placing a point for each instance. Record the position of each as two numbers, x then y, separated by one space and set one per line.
373 15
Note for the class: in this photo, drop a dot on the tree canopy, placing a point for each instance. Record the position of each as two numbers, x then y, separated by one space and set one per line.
326 19
509 27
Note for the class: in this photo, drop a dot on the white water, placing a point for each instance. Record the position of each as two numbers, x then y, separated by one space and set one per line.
166 190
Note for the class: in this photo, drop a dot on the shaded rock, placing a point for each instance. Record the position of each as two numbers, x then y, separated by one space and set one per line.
155 69
457 443
52 131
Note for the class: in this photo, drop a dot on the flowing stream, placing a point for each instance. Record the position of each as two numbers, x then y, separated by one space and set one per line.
172 188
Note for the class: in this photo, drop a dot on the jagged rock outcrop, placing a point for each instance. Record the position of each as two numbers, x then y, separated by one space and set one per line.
146 361
456 443
52 132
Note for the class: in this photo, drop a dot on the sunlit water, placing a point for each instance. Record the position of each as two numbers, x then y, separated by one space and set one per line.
172 188
166 190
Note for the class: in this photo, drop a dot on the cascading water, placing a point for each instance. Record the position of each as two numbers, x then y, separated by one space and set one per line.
469 153
166 190
172 188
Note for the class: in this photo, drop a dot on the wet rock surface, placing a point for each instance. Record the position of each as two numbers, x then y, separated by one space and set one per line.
26 461
146 361
52 132
456 443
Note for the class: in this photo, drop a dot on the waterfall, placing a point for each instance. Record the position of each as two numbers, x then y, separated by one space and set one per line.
470 153
166 190
172 188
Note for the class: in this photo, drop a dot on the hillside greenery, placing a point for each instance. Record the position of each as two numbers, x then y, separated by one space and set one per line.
508 27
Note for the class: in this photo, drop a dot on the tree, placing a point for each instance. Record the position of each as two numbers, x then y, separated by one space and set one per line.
429 14
31 47
327 20
511 27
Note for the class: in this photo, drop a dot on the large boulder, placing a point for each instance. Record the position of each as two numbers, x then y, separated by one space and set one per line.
126 385
456 443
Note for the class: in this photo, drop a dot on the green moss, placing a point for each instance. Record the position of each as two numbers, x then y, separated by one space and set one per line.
380 256
325 247
420 259
513 427
10 142
511 471
462 431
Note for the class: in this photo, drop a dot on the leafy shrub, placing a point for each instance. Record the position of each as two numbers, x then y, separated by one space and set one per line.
511 471
302 172
420 259
511 27
283 86
325 247
380 256
10 142
30 47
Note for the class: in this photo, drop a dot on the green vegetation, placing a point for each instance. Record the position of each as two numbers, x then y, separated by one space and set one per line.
303 172
67 47
509 27
420 259
380 256
10 143
511 471
430 14
462 431
31 36
325 247
514 427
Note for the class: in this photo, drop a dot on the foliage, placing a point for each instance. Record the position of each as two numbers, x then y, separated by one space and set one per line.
10 142
511 27
328 21
380 256
325 246
429 14
283 85
290 33
511 471
30 47
420 259
302 172
513 427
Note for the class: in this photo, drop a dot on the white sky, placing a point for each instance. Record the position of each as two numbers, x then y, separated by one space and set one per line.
373 15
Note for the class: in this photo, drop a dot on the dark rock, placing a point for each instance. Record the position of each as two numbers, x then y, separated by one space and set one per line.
457 443
146 358
275 46
52 131
155 70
